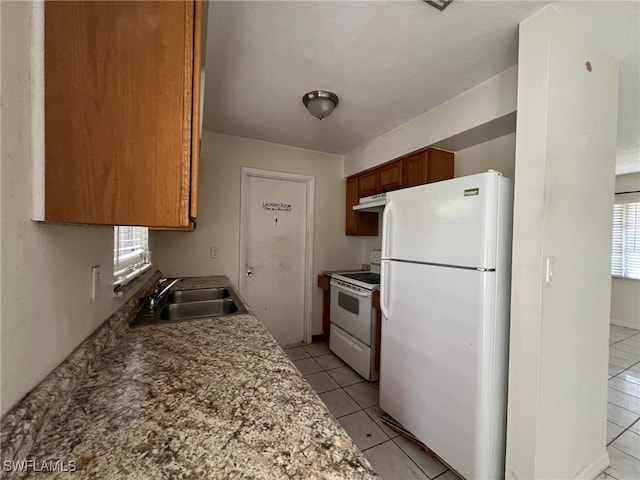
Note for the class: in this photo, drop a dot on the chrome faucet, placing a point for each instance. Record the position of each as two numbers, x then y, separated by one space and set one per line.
155 299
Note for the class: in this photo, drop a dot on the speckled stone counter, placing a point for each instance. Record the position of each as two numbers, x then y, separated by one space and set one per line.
210 398
23 423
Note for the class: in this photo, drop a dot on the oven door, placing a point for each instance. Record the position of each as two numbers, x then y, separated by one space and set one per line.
351 310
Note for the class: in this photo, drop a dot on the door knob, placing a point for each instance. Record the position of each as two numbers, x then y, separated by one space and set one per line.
249 272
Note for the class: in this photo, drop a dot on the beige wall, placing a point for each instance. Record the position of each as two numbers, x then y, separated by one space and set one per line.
484 103
625 293
498 154
565 163
46 309
185 254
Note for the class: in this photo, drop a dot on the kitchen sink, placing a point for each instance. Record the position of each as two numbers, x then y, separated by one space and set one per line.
189 310
198 295
184 305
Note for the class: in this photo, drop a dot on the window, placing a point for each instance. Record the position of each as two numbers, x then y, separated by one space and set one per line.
625 257
131 256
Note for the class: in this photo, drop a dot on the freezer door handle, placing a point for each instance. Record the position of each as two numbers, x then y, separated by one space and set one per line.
386 215
384 288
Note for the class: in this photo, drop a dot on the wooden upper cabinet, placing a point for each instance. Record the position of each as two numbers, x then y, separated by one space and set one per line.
351 226
427 166
122 112
415 172
368 183
358 223
390 176
439 165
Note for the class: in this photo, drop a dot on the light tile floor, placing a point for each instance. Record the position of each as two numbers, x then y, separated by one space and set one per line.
623 409
354 403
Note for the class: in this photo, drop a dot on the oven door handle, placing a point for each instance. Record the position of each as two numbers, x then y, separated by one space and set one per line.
359 293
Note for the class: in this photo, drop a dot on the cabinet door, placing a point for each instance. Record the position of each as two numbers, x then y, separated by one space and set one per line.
368 183
428 166
414 169
351 227
358 223
439 165
118 112
390 176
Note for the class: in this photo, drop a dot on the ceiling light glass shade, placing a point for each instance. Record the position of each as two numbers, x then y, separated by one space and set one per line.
320 103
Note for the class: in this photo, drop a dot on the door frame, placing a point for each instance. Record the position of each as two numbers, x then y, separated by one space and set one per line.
310 182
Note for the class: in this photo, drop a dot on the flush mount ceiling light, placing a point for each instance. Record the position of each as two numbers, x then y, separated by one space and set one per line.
439 4
320 103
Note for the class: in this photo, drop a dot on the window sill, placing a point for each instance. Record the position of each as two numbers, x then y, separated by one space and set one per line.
618 277
128 281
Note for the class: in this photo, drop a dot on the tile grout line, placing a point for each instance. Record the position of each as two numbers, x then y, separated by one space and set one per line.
407 456
628 380
613 376
438 476
610 444
626 453
388 439
626 409
612 353
362 409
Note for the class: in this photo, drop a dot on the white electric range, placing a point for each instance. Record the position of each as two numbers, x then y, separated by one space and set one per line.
352 335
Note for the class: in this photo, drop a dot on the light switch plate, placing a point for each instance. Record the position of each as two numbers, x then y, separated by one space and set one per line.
551 264
95 282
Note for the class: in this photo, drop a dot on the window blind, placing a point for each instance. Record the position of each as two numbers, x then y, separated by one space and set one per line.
130 253
625 254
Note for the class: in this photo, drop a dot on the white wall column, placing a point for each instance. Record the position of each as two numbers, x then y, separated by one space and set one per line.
565 162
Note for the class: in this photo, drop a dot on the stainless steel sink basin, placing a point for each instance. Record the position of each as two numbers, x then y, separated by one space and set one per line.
189 310
198 295
184 305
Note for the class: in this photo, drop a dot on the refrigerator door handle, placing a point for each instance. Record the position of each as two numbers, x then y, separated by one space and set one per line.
385 229
384 288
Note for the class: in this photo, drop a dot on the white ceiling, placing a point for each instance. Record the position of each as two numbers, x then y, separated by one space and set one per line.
388 61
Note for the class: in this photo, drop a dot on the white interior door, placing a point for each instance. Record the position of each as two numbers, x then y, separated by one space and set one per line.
274 257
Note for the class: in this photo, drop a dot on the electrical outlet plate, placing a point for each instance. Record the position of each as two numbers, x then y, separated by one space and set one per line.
214 253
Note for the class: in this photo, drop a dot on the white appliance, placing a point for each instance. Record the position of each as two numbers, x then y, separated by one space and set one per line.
352 335
445 296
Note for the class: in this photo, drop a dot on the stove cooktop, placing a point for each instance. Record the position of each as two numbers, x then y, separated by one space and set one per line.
365 277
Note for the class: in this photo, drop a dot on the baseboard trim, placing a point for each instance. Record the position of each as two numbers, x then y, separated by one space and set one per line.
595 468
321 337
621 323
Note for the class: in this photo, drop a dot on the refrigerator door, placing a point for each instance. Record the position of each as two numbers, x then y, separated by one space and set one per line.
448 223
443 363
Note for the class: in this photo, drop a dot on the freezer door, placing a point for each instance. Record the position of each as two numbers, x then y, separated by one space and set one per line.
443 364
454 222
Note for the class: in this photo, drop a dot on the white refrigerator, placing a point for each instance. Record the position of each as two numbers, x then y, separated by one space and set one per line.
445 296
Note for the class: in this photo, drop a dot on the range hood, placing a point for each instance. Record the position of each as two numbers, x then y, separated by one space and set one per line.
373 203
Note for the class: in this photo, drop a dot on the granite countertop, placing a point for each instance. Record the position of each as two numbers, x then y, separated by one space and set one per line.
199 399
